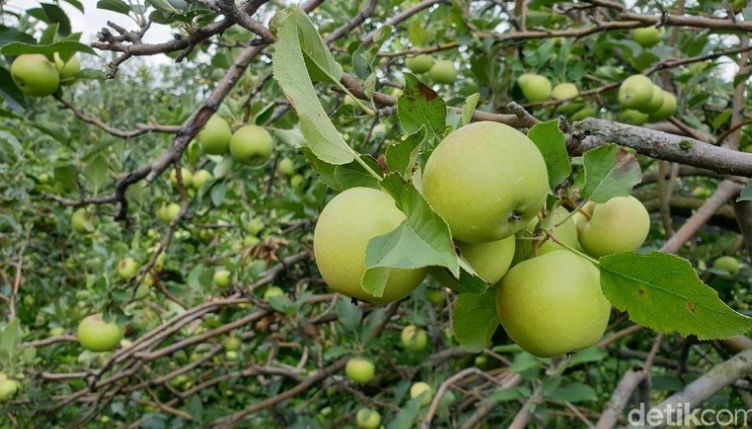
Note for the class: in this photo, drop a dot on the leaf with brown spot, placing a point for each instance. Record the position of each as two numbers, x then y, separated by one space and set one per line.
610 171
420 107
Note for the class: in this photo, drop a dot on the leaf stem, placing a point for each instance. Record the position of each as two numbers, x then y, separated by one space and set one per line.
577 209
570 248
365 165
357 100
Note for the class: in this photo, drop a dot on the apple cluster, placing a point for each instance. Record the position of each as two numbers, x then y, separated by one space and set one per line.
489 182
35 75
439 71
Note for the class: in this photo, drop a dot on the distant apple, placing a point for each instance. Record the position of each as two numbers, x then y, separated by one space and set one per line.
127 268
421 388
360 370
97 335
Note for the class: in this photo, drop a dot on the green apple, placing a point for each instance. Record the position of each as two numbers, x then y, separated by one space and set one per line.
251 240
491 259
619 225
185 174
648 36
586 112
656 101
419 63
97 335
34 75
632 117
215 136
286 167
534 87
251 144
232 344
82 221
636 92
443 72
367 418
44 178
413 338
728 264
168 211
221 278
8 388
344 228
297 182
739 5
273 291
435 297
69 68
127 268
668 107
200 178
423 390
553 304
487 180
255 226
360 370
565 91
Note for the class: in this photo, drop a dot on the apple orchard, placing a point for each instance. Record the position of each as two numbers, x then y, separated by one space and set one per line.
366 214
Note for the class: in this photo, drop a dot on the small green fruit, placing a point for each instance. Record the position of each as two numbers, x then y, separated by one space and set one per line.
221 278
251 144
656 101
200 178
435 297
668 107
414 338
636 92
584 113
534 87
232 344
273 291
168 211
286 167
420 63
215 136
367 418
443 72
423 390
255 226
565 91
648 36
491 259
728 264
297 182
82 221
127 268
621 224
69 68
632 117
185 175
35 75
97 335
360 370
8 389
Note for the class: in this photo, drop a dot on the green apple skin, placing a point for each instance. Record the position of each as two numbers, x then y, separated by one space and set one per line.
420 63
534 87
297 182
648 36
344 228
200 178
185 174
553 304
82 222
221 278
8 389
97 335
435 297
668 107
414 338
360 370
487 180
491 259
255 226
367 418
565 91
67 69
215 136
621 224
35 75
656 101
232 344
127 268
587 112
632 117
636 92
286 167
443 72
424 389
167 212
251 144
728 264
273 291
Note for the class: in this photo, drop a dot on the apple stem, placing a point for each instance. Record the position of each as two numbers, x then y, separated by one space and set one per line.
551 235
577 209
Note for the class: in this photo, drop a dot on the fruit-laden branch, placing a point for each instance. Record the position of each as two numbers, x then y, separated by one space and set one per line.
126 134
591 133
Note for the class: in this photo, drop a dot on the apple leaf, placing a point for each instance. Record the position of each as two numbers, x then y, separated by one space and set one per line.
663 292
322 67
405 418
746 194
289 68
419 106
610 171
467 111
474 319
401 156
66 49
422 240
551 142
10 337
341 177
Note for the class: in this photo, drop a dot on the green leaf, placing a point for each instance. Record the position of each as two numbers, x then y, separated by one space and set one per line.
610 171
118 6
66 48
401 156
10 92
505 395
322 67
746 194
96 172
10 338
348 314
422 240
474 319
467 111
406 415
575 392
421 107
341 177
56 15
289 69
11 34
664 293
551 142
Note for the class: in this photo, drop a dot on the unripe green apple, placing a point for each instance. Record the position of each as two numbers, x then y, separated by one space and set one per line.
367 418
82 221
286 167
251 240
621 224
251 144
255 226
8 389
360 370
739 5
199 178
565 91
127 268
232 344
668 107
435 297
648 36
297 182
553 304
344 228
636 92
487 180
656 101
215 136
419 63
632 116
423 390
273 291
97 335
221 278
69 68
443 72
168 211
534 87
587 112
185 175
728 264
44 178
35 75
491 259
414 338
